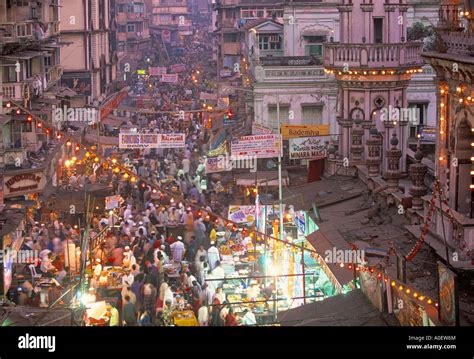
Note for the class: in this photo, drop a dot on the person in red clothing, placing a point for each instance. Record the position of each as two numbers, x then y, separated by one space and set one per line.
231 319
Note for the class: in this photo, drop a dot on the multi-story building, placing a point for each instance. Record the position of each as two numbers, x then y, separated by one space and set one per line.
171 19
133 35
286 60
89 66
228 17
453 61
29 74
373 64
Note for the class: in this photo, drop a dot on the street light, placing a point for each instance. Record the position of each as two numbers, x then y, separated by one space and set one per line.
280 181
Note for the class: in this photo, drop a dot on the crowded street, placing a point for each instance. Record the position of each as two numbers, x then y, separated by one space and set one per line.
237 163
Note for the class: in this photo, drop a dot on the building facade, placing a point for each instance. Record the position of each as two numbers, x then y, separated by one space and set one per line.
89 66
453 61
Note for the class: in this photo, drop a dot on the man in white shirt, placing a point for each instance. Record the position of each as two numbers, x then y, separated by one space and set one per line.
177 248
248 318
218 273
213 256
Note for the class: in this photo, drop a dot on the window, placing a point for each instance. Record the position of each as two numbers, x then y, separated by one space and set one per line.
269 42
121 8
417 117
16 134
27 127
230 38
378 30
122 28
273 115
314 45
131 27
9 73
311 114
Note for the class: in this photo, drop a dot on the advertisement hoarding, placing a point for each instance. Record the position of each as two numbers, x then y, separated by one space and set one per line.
260 146
312 148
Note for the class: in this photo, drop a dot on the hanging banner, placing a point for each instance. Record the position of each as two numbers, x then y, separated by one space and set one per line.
216 164
173 140
448 296
428 134
248 214
260 146
258 129
178 68
297 131
308 148
157 71
169 78
300 222
138 140
112 202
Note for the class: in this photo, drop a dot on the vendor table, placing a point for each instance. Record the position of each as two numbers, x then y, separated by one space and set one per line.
185 318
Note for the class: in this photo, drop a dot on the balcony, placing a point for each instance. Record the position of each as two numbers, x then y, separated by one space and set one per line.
372 55
13 90
459 43
17 31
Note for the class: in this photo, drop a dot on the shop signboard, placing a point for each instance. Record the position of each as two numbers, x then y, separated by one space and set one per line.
138 140
311 148
24 183
177 68
259 129
428 134
79 82
448 296
169 78
171 140
260 146
297 131
112 202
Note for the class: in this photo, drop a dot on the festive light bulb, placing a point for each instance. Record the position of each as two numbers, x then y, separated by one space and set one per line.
393 283
408 291
400 287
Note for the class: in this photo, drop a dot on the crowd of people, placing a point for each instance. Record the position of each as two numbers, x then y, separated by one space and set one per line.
153 231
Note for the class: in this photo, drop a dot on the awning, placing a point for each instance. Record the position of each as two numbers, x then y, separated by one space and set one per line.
262 178
351 309
23 55
321 244
104 140
314 32
116 121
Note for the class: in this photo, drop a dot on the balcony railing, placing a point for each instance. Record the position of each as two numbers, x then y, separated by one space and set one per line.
373 55
459 43
16 31
12 90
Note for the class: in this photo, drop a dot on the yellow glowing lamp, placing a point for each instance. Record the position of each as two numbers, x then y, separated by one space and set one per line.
96 159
